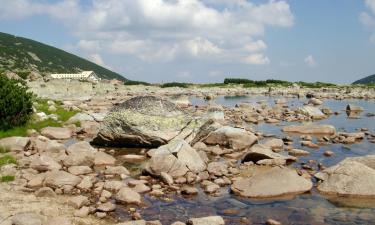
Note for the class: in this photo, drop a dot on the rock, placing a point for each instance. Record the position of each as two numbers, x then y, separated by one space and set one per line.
312 111
57 179
328 153
143 121
128 196
272 222
315 101
116 170
217 168
82 212
234 138
354 108
166 163
210 220
86 184
104 159
80 154
168 179
45 163
298 152
79 117
215 112
26 218
352 177
79 170
78 201
16 144
311 129
106 207
45 192
59 220
113 185
259 152
267 184
188 190
274 143
211 188
57 132
133 158
141 188
134 222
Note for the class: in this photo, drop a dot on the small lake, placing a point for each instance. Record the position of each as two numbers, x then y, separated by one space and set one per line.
310 208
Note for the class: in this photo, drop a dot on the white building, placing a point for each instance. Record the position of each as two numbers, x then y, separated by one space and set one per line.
84 75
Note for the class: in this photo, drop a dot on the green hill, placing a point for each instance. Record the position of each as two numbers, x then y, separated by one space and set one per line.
366 80
22 55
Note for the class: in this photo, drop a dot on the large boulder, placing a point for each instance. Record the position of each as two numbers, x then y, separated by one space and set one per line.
57 133
175 158
57 179
261 154
80 154
271 183
144 121
312 111
352 177
231 137
311 129
15 143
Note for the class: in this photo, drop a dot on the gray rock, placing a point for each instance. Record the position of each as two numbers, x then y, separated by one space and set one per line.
217 168
17 144
352 177
267 184
210 220
79 117
144 121
26 218
45 163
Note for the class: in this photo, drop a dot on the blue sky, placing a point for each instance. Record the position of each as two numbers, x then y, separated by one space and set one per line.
207 40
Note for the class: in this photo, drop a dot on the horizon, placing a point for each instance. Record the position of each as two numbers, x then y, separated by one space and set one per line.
206 41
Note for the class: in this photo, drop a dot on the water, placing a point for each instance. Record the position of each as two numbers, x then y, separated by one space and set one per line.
310 208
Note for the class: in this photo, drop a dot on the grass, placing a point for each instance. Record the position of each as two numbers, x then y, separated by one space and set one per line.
3 150
7 159
7 178
41 106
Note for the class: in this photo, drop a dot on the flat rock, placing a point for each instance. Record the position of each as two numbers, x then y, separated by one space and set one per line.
311 129
267 184
259 152
17 144
210 220
26 218
45 163
57 132
312 111
57 179
128 196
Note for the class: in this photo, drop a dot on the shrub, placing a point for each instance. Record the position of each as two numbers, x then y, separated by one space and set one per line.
134 82
7 178
175 84
7 159
237 81
15 103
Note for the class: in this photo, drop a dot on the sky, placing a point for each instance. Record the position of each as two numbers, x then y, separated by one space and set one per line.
205 41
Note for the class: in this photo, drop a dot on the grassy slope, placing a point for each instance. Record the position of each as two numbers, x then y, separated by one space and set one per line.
17 54
366 80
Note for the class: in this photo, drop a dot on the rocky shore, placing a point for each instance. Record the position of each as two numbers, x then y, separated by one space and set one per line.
75 174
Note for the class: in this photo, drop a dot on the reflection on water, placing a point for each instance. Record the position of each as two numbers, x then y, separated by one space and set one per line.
310 208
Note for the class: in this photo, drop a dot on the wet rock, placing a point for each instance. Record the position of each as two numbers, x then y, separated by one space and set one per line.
133 158
189 190
57 133
352 177
144 121
104 159
315 101
259 153
106 207
311 129
272 222
267 183
26 218
234 138
309 144
354 108
141 188
312 111
128 196
210 220
57 179
17 144
328 153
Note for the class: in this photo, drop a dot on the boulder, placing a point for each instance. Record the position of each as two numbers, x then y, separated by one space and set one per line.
354 108
210 220
27 218
79 117
315 101
143 121
44 163
274 143
128 196
312 111
104 159
17 144
79 170
57 179
57 133
352 177
80 154
311 129
231 137
267 184
259 153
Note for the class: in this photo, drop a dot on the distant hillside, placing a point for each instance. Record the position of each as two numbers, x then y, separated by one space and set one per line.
22 55
366 80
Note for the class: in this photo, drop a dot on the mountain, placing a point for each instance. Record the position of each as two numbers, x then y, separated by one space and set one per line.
366 80
22 56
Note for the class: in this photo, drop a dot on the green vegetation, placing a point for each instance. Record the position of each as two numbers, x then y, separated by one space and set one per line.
7 159
15 103
315 85
41 105
370 81
134 82
7 178
22 55
175 84
3 150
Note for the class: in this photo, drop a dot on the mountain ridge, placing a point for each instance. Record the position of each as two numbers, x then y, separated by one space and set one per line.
366 80
23 56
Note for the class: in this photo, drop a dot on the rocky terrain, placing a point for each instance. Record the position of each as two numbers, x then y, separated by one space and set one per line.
78 174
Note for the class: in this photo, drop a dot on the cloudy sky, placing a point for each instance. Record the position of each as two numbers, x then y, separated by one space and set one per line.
207 40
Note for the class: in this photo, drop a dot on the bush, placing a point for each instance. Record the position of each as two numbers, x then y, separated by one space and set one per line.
134 82
15 103
7 178
175 84
237 81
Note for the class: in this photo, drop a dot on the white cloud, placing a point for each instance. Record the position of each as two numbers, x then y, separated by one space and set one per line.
96 58
184 74
215 73
256 59
310 61
164 29
368 18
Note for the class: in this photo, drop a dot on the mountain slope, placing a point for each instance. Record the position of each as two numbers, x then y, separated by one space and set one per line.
22 55
366 80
